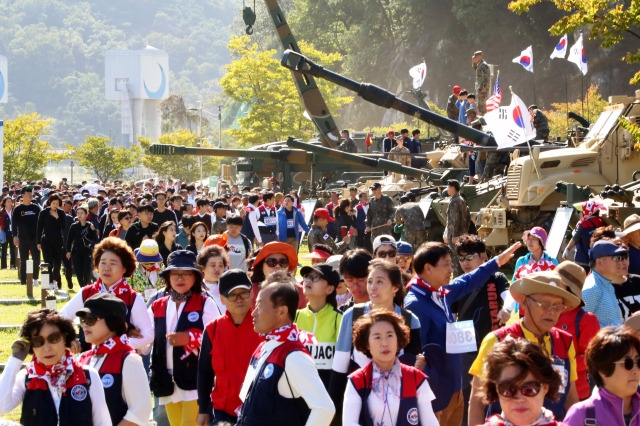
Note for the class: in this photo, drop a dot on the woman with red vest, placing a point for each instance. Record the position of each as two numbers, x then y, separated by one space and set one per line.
124 378
179 319
385 391
114 260
227 345
54 389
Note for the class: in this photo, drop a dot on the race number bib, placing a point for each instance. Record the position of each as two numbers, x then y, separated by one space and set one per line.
270 221
461 337
289 223
149 293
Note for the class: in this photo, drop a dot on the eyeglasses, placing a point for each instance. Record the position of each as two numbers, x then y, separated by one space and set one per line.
272 262
314 278
548 307
235 296
620 257
629 363
385 254
89 320
181 275
527 389
38 341
468 257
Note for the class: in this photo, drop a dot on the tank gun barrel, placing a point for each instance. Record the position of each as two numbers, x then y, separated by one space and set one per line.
377 163
381 97
293 156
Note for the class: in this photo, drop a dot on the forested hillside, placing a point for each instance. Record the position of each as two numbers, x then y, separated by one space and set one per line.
56 48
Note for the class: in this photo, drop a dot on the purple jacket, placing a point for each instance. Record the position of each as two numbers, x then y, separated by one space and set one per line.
608 410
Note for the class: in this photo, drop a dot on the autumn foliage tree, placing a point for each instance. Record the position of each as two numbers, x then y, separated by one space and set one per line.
257 79
25 152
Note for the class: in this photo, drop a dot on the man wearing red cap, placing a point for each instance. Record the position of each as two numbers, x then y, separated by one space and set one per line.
389 142
452 108
318 233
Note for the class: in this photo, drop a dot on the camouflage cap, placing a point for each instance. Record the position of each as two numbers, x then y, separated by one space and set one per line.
533 106
477 53
471 110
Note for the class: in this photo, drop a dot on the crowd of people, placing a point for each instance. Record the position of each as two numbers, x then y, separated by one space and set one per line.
190 312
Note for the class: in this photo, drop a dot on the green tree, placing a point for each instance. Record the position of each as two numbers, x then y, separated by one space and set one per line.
183 167
25 153
608 21
257 79
103 159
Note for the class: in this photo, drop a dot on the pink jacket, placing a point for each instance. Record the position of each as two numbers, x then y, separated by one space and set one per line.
608 410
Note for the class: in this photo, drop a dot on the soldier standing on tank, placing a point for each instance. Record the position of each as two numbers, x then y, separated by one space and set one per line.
540 123
411 216
400 154
457 222
380 214
348 144
483 80
318 233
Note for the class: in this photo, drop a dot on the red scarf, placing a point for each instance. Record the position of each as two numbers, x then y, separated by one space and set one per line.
422 283
292 333
537 266
62 376
117 289
195 341
112 345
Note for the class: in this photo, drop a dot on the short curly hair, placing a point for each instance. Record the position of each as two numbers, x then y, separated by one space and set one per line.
212 251
362 329
609 345
528 357
37 319
119 248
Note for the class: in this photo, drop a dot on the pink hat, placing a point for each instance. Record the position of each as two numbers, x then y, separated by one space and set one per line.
539 233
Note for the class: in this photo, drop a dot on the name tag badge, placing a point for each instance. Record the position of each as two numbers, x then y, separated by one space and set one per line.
558 365
270 221
461 337
325 237
289 223
193 316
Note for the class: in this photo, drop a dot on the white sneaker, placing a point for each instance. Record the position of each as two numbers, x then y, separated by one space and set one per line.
36 283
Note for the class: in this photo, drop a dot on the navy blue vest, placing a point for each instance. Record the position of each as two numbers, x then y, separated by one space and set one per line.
38 408
265 218
560 343
264 406
247 229
185 371
111 375
412 378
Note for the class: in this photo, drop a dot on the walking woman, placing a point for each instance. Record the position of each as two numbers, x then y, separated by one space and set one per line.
7 216
54 389
179 318
80 242
344 218
385 390
49 236
124 378
114 260
166 239
197 237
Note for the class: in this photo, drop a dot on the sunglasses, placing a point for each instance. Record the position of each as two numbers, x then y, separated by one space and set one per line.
620 257
38 341
385 254
181 275
89 320
243 296
468 257
272 262
314 278
629 363
527 389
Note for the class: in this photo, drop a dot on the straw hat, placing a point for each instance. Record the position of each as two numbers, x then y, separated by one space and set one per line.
573 276
546 282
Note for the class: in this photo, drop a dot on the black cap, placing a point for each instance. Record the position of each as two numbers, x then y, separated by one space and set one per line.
233 279
375 185
26 189
454 183
404 199
325 271
220 205
104 305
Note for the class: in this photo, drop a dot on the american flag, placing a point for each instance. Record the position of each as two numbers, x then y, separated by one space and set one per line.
494 100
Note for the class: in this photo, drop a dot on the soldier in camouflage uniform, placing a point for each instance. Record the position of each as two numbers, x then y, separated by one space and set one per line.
318 233
348 144
380 214
457 222
411 216
219 224
400 154
483 80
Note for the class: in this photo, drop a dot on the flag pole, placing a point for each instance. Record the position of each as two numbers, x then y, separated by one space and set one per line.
533 160
533 78
566 94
